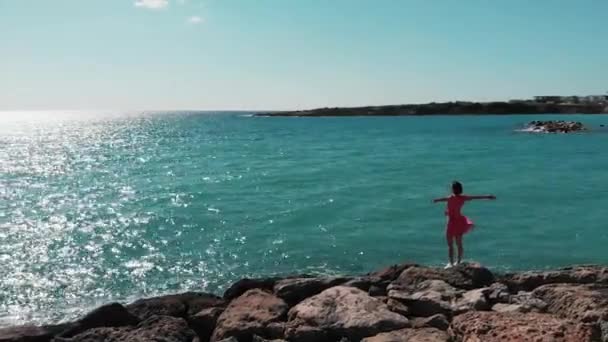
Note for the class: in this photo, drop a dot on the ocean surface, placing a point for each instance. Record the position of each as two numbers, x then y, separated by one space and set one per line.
100 207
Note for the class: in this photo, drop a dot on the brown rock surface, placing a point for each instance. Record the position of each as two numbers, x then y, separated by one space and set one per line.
411 335
341 312
250 314
516 327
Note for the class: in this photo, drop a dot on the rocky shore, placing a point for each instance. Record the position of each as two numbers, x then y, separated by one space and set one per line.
450 108
404 302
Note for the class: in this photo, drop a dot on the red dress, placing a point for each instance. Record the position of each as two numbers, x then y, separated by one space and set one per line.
458 224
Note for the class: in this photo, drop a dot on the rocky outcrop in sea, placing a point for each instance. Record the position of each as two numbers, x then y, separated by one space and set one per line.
406 302
554 127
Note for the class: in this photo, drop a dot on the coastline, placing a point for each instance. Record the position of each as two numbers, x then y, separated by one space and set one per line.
399 303
448 108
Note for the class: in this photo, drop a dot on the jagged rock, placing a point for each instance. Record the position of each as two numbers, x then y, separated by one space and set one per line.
31 333
178 305
378 290
246 284
502 307
489 326
466 276
431 297
528 281
397 307
156 328
110 315
585 303
363 283
341 312
250 314
529 302
203 323
555 126
392 272
498 293
438 321
294 290
411 335
473 300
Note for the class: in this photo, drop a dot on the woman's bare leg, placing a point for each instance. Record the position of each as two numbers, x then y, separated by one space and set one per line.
460 249
450 241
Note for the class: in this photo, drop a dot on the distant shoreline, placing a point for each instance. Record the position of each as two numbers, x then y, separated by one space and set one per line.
450 108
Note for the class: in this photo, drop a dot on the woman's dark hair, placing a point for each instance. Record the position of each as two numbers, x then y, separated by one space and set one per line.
456 188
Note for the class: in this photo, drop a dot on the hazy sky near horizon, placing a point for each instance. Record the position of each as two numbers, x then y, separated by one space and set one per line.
281 54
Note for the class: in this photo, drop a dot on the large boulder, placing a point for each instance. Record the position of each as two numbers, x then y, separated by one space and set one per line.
585 303
515 327
528 281
438 321
466 276
411 335
392 272
250 314
178 305
111 315
341 312
294 290
32 333
203 323
156 328
427 298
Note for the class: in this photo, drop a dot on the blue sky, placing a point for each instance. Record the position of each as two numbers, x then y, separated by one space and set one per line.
287 54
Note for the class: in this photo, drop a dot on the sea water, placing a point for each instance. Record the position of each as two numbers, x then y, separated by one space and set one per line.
100 207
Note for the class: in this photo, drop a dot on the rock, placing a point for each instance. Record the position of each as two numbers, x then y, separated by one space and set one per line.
431 297
473 300
378 290
502 307
246 284
362 283
341 312
250 314
555 126
397 307
515 327
585 303
528 281
529 302
465 276
229 339
411 335
203 323
178 305
257 338
111 315
392 272
498 293
31 333
156 328
294 290
438 321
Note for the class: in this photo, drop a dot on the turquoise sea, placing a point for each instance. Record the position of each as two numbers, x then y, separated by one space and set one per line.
100 207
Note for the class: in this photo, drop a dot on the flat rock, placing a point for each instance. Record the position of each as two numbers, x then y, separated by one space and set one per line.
515 327
585 303
411 335
341 312
178 305
250 314
473 300
156 328
502 307
528 281
467 276
294 290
